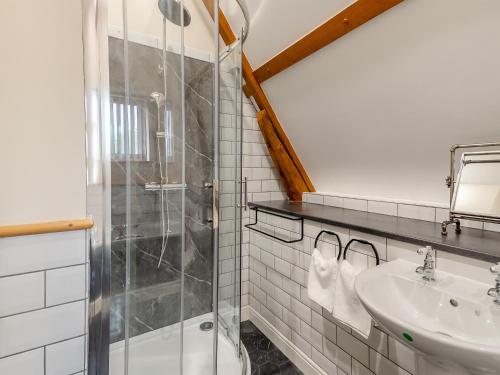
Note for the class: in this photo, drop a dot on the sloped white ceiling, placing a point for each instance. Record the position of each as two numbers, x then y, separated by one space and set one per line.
275 24
375 113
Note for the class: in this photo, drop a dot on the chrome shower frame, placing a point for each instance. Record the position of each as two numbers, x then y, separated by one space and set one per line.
242 37
96 76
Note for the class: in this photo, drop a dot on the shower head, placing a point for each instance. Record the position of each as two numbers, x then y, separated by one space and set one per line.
171 10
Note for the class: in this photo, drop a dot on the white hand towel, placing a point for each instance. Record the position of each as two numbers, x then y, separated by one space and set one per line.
322 279
347 306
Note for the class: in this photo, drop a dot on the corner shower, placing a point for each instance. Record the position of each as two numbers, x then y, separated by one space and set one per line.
164 188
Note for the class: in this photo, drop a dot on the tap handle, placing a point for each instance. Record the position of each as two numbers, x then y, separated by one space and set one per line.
427 250
495 269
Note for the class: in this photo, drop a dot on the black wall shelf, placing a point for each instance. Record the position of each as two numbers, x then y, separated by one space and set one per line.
473 243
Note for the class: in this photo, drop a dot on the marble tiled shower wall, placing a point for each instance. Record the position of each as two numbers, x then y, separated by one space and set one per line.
277 291
155 297
43 302
263 180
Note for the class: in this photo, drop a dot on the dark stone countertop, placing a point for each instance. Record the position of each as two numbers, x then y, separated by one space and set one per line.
473 243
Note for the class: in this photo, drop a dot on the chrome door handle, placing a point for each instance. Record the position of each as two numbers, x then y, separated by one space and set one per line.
215 204
245 193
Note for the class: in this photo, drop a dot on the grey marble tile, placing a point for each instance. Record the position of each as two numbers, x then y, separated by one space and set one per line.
155 292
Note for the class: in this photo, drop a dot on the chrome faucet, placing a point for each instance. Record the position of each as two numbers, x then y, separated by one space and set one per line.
428 270
495 292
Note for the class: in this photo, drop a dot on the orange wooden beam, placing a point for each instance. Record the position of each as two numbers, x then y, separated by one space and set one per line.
294 183
347 20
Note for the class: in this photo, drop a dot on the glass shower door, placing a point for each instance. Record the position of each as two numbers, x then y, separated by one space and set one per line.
156 155
161 167
230 192
146 141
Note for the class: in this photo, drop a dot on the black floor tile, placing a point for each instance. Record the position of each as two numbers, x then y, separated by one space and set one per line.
265 357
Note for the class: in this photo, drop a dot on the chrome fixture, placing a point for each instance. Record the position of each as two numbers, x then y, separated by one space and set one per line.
171 10
244 184
495 292
246 15
453 183
206 326
245 194
156 186
242 37
428 270
160 101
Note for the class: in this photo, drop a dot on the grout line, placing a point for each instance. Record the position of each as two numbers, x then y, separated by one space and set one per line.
43 308
42 270
44 288
42 346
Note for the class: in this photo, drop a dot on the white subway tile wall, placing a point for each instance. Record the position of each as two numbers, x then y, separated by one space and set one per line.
277 286
43 289
263 182
412 210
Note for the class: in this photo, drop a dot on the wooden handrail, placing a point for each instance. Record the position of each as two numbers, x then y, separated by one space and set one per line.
45 227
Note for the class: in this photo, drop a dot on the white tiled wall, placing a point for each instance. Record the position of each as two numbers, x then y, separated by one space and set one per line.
43 294
413 210
277 291
263 179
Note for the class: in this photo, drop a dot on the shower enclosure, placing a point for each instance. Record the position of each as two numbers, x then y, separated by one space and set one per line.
163 105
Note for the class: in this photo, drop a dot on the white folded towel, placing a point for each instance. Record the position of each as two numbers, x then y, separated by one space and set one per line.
322 279
347 306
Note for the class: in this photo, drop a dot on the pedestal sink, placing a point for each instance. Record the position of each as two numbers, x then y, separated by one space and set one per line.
451 322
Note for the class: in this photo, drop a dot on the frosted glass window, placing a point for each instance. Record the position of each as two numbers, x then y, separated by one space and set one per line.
138 130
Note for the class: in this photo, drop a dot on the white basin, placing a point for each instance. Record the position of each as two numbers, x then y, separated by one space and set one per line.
424 316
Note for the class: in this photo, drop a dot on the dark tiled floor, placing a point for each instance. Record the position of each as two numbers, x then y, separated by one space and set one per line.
265 358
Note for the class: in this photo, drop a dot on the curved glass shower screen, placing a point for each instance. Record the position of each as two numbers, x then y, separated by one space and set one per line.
230 241
148 189
154 141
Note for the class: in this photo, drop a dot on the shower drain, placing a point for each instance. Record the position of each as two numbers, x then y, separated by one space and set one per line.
206 326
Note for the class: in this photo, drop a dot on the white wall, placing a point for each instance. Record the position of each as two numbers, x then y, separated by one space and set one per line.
42 130
42 169
374 113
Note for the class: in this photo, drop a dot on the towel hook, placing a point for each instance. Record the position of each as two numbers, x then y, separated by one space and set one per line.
333 234
364 243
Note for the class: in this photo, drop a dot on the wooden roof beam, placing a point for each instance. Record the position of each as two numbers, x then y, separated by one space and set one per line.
347 20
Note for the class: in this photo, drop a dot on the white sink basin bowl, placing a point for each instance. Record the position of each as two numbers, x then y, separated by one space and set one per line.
452 320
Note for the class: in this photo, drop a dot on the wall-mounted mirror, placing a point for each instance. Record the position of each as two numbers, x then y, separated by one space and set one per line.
475 191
